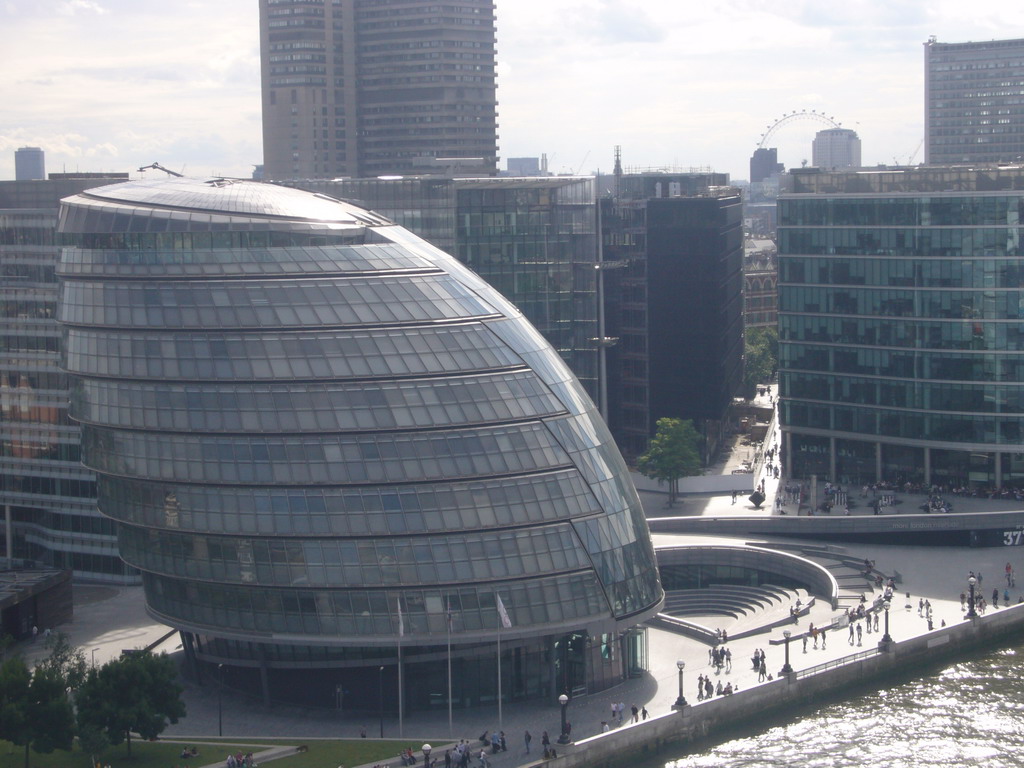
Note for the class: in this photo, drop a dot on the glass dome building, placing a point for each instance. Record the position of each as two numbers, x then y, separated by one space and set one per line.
330 449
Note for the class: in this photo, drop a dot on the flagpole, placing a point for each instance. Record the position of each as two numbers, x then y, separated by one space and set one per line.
448 622
503 622
501 722
401 698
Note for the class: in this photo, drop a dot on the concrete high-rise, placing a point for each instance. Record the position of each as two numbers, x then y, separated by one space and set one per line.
363 88
836 148
973 108
29 164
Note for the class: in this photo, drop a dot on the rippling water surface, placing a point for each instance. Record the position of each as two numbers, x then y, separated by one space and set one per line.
968 714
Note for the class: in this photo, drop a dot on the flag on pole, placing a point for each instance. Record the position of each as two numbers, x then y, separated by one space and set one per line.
401 624
506 622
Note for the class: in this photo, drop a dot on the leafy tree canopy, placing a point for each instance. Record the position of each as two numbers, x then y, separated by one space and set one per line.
137 693
760 357
674 453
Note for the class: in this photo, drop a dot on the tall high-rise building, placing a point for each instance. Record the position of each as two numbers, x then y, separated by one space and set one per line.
901 351
836 148
973 109
363 88
29 164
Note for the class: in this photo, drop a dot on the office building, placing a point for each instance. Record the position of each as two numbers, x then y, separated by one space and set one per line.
900 343
50 496
836 148
764 164
974 112
363 88
760 279
673 286
29 164
330 448
534 239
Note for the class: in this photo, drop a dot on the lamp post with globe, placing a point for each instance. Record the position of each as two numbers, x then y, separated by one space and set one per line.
786 668
564 737
681 701
971 612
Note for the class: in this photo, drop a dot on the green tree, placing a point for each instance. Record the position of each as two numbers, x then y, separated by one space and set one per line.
760 358
65 660
35 711
674 453
134 693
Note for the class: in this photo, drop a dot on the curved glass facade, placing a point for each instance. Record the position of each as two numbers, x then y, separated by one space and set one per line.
321 437
900 343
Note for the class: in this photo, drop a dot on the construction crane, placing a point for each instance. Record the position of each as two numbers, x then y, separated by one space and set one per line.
159 167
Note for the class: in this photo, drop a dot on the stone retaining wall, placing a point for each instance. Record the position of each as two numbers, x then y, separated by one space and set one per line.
754 706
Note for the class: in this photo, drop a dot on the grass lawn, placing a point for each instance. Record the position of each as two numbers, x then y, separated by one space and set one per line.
159 754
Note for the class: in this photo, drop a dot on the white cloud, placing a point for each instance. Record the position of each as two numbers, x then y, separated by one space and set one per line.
71 7
121 83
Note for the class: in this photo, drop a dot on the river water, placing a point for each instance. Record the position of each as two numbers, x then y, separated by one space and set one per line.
969 713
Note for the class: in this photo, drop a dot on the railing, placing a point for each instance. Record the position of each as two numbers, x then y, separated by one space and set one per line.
851 659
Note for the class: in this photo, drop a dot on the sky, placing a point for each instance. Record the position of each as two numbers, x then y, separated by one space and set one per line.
112 85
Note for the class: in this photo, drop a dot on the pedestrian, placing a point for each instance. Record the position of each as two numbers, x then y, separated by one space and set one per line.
859 635
963 600
447 758
527 738
762 671
851 631
643 712
636 714
823 639
604 726
805 643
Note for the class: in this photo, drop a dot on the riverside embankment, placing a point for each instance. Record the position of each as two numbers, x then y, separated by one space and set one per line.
676 732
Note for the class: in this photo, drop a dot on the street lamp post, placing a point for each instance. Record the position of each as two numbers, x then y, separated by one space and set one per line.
220 699
971 613
564 737
94 657
380 699
886 638
681 701
786 668
426 755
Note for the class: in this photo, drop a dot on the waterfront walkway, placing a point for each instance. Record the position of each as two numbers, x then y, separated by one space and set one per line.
109 619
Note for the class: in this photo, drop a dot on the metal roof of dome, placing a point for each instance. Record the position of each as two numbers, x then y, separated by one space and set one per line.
235 196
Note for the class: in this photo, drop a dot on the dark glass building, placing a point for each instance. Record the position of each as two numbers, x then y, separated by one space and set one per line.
900 343
534 239
49 495
330 447
673 281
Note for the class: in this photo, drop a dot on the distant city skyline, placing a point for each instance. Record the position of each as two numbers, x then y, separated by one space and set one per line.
106 85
